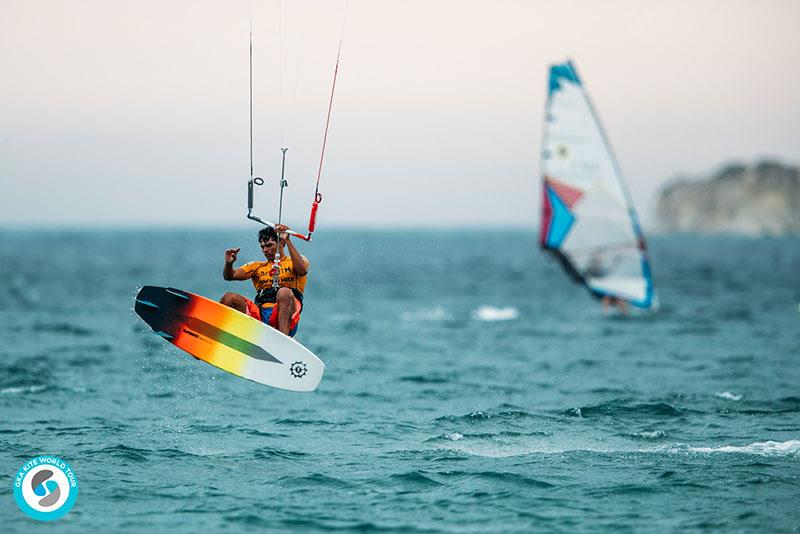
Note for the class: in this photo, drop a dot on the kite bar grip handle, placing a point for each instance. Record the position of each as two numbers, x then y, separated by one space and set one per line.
294 234
301 236
312 221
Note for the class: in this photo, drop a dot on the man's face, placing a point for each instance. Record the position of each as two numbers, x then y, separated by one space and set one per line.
268 247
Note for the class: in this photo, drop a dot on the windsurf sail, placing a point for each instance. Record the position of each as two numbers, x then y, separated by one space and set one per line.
588 219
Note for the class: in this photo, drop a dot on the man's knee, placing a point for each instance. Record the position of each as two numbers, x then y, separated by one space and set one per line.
284 293
231 299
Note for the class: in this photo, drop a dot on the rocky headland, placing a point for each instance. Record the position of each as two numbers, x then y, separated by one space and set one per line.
760 199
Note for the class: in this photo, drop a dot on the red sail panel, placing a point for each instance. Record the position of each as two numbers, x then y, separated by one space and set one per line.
547 215
569 195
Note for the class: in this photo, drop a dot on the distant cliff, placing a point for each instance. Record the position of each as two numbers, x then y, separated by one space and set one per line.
754 200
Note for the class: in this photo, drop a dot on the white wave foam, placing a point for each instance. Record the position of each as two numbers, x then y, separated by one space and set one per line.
433 314
505 449
727 395
763 448
497 450
655 434
21 389
490 313
500 446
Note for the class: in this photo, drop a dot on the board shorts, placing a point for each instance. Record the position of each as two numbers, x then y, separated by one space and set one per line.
270 315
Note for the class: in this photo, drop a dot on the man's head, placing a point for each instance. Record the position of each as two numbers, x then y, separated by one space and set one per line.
267 233
268 240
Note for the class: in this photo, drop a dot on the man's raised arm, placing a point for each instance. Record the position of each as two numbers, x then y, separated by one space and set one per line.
228 272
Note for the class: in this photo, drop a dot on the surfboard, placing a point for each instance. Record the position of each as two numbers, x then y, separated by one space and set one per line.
228 339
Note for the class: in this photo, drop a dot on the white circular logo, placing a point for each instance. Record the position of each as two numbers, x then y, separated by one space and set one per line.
45 487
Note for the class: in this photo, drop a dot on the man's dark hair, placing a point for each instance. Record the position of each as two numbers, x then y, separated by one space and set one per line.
267 234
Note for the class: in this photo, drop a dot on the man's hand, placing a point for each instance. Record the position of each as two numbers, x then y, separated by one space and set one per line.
228 271
281 229
298 265
230 255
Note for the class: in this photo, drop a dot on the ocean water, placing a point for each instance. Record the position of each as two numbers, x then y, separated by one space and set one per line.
470 387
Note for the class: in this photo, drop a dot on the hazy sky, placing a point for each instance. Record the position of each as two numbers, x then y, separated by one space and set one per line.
136 113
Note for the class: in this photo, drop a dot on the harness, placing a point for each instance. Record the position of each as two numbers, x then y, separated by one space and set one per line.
269 295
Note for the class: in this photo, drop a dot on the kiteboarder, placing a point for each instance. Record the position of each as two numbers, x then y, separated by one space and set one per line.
279 295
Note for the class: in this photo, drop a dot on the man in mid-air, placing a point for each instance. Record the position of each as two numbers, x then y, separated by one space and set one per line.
278 307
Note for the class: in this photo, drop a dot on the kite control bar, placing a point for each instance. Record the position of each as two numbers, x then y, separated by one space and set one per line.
312 222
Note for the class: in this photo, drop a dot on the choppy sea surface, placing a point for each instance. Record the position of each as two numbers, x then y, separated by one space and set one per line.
470 387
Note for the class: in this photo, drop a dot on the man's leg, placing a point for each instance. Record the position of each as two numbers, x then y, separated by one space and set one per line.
606 305
235 301
285 303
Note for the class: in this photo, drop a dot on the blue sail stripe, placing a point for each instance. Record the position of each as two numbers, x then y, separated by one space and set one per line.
562 71
561 221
